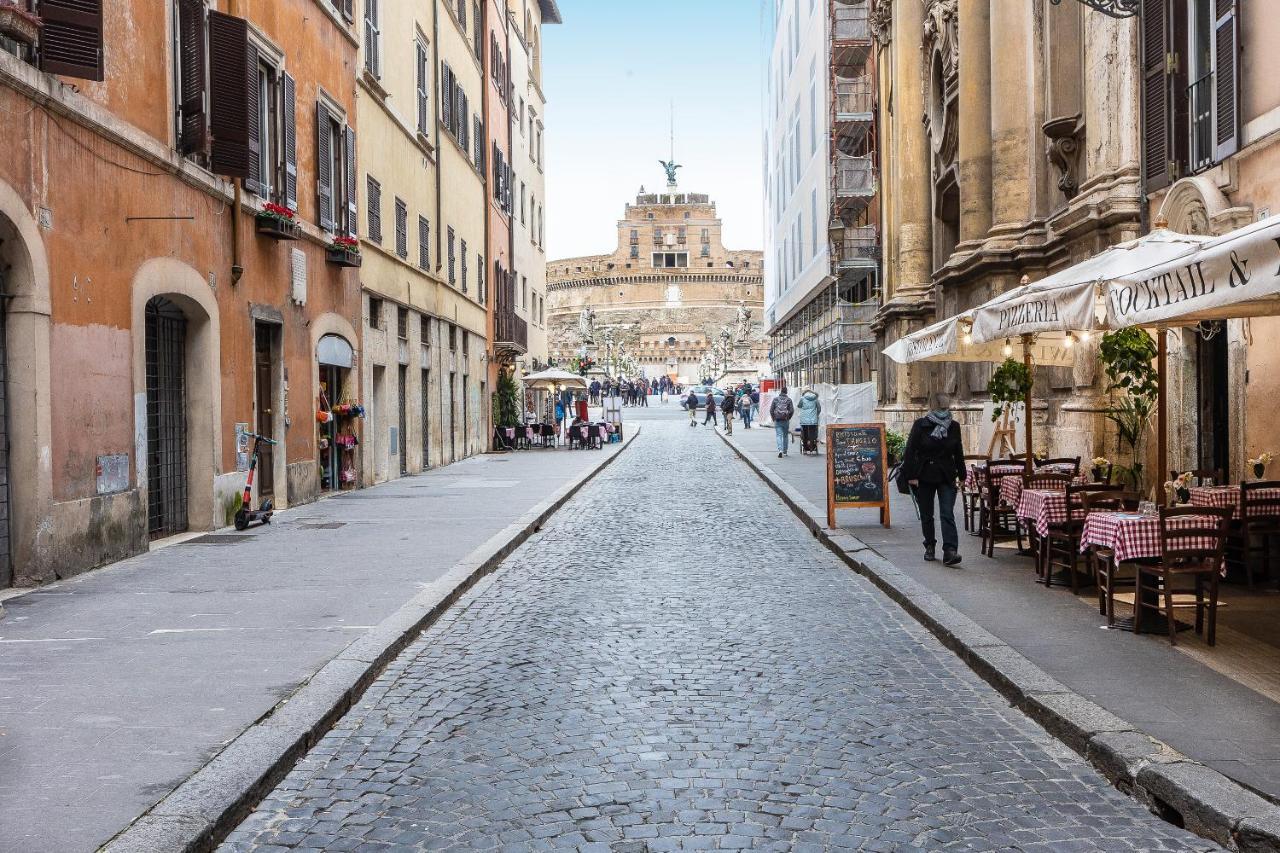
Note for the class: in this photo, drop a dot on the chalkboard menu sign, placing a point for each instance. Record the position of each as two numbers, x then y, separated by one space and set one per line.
857 470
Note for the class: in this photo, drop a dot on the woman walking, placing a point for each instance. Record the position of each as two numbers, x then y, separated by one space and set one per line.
933 464
809 407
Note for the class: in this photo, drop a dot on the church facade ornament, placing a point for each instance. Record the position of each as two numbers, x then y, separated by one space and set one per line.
882 21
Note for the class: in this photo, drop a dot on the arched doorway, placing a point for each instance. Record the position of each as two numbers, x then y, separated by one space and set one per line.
168 477
337 441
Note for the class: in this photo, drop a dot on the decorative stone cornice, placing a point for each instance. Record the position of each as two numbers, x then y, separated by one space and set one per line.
882 21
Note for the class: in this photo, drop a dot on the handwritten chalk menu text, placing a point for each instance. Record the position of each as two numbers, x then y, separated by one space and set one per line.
857 474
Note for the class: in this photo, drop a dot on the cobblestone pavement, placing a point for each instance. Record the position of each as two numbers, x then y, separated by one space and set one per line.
675 664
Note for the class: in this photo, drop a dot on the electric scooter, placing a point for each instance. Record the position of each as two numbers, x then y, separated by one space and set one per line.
246 516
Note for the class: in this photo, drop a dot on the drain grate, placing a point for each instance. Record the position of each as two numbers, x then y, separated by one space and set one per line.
327 525
221 539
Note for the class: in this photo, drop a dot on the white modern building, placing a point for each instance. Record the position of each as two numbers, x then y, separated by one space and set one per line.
821 239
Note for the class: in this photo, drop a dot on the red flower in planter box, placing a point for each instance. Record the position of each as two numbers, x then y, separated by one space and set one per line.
275 211
345 244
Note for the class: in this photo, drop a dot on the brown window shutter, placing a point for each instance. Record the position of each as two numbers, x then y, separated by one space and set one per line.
1226 37
353 207
349 9
193 137
324 166
446 95
71 38
402 229
229 95
373 205
424 114
424 243
1157 147
253 111
289 110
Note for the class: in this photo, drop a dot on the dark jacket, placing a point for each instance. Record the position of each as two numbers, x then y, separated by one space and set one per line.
932 460
726 405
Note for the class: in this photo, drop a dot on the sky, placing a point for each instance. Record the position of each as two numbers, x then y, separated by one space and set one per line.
611 73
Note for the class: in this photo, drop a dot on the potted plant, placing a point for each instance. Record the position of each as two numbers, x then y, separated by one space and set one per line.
1127 357
18 24
1179 488
276 222
1101 465
1260 465
343 252
895 444
1009 386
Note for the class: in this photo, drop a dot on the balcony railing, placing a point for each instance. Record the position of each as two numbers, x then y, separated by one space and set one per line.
854 97
855 176
851 22
510 332
1200 103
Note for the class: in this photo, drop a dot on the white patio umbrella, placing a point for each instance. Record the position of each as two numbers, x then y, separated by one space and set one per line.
554 376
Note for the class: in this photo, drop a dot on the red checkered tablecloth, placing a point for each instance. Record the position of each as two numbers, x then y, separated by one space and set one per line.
1011 487
1130 536
1225 496
1043 507
977 473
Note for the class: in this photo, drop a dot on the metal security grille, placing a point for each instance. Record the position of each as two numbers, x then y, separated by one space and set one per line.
426 419
6 566
403 435
166 419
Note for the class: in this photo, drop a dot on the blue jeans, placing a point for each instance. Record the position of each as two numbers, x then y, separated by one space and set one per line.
782 430
746 417
946 495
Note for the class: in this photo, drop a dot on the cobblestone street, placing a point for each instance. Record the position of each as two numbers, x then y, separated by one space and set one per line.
674 663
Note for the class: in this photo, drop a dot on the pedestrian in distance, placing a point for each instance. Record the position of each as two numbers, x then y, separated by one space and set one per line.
726 408
781 411
810 408
691 403
744 409
933 464
711 410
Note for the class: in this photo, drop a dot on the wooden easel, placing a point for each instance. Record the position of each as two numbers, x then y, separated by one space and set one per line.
1004 437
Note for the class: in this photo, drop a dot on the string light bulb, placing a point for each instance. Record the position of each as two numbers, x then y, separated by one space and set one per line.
968 335
1085 335
1008 348
1070 341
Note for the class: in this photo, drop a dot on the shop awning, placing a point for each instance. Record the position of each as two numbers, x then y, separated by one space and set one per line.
951 340
554 376
1235 275
334 350
1069 301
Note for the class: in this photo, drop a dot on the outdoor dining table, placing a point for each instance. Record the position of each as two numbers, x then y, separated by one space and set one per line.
1225 496
1011 487
1042 507
977 472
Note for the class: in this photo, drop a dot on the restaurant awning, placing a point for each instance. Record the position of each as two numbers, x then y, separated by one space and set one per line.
1067 302
1235 275
951 340
554 376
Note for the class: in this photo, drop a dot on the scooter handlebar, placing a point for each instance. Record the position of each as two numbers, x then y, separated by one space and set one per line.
260 437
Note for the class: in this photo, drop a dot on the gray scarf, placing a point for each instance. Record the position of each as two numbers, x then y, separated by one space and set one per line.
941 421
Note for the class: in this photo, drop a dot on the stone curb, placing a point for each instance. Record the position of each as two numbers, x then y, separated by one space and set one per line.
202 811
1174 787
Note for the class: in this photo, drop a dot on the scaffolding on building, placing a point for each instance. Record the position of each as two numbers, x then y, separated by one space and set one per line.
829 338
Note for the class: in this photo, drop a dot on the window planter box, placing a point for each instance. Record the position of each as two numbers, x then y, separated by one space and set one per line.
18 24
342 257
277 228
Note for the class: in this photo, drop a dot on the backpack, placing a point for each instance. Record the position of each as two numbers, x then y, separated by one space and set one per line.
782 409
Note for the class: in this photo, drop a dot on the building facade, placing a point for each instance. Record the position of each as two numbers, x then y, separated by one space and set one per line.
528 179
1211 126
1026 161
665 296
158 310
822 232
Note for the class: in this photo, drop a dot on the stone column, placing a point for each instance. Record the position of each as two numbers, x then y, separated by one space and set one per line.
915 222
1010 99
975 119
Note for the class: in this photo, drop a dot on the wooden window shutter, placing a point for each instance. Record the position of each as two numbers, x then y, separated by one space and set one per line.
253 113
289 110
424 243
446 95
229 95
373 202
479 32
353 206
402 229
1157 143
193 137
464 126
1226 48
371 38
424 114
71 38
349 9
324 165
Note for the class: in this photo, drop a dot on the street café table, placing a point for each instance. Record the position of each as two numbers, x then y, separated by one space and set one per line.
1042 507
1011 486
977 472
1226 496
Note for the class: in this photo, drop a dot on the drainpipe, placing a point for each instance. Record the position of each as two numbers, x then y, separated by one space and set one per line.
435 59
237 270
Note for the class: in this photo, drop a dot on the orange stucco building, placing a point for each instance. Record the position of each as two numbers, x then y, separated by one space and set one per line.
147 315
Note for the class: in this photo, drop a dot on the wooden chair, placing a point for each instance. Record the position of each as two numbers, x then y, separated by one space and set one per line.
1049 481
1193 542
1074 462
1106 571
1062 544
1104 474
996 519
971 499
1259 521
